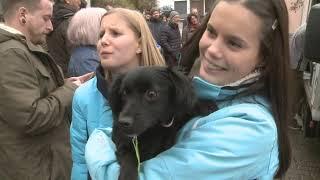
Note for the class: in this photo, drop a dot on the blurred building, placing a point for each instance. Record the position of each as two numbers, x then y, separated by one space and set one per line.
184 6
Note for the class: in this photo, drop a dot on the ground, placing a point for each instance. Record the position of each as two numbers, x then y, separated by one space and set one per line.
305 164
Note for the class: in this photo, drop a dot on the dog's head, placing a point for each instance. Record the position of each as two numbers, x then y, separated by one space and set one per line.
149 96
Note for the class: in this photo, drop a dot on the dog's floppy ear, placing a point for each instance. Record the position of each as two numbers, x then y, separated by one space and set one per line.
114 98
185 97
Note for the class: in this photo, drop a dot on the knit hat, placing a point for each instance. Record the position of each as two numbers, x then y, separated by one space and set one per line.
172 14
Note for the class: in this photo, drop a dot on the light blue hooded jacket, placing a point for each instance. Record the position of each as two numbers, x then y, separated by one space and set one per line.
238 141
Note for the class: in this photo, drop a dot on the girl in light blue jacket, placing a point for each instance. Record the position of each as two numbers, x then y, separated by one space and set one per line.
125 42
243 50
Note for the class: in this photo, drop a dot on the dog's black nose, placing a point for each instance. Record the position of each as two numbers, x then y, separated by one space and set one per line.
125 121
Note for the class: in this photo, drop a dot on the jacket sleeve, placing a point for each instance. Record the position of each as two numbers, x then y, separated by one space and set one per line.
78 140
226 148
184 35
22 107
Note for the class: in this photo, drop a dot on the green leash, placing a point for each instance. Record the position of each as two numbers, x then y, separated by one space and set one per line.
136 149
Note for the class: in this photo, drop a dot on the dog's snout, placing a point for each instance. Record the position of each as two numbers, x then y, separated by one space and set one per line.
126 121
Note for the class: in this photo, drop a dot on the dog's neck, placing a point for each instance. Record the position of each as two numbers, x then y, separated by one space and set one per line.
169 124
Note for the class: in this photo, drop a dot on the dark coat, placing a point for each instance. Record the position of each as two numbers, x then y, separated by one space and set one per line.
58 45
171 43
155 27
35 106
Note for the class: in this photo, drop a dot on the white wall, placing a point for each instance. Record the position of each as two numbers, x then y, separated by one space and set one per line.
162 3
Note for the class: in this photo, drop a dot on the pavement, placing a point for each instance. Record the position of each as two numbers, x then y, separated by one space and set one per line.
305 163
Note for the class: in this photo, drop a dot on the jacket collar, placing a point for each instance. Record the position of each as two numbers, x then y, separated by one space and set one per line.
207 90
102 83
173 25
13 33
10 29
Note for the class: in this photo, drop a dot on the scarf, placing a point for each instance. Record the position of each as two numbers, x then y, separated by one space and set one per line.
102 83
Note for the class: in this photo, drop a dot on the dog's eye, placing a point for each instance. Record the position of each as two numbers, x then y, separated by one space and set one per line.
151 94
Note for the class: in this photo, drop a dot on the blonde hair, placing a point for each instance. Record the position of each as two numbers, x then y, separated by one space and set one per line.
84 26
150 55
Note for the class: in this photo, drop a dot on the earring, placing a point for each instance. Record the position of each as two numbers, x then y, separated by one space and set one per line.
23 20
138 51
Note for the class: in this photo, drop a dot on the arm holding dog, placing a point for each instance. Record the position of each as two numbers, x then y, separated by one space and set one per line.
89 111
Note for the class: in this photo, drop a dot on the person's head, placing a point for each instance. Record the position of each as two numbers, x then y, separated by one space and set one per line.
192 19
155 13
74 3
163 18
83 4
30 17
194 11
174 17
126 42
239 37
108 7
84 26
147 17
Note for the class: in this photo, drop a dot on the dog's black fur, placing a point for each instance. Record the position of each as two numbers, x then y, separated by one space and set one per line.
145 101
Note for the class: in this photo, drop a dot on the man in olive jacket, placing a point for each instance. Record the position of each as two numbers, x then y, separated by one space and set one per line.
35 100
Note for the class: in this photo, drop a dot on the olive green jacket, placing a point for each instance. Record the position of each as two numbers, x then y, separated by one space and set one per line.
35 106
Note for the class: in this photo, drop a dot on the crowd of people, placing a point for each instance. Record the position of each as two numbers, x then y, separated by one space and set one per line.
57 61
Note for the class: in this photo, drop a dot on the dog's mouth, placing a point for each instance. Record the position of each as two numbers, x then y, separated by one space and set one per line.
129 132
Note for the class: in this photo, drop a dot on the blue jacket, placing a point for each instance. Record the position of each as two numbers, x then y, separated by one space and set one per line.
84 59
239 141
90 110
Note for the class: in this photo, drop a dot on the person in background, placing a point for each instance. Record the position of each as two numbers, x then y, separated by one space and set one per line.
83 33
155 24
146 15
58 45
298 65
170 40
108 7
83 4
35 101
192 26
1 14
125 42
163 18
244 69
194 11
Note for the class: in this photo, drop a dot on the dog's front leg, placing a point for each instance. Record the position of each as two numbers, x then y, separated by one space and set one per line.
128 166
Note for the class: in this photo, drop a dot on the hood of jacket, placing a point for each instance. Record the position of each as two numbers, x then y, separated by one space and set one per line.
7 33
222 94
61 12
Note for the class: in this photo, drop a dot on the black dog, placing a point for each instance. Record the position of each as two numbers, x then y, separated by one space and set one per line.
152 104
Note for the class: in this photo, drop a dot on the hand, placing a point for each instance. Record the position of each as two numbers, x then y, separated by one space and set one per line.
78 81
84 78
